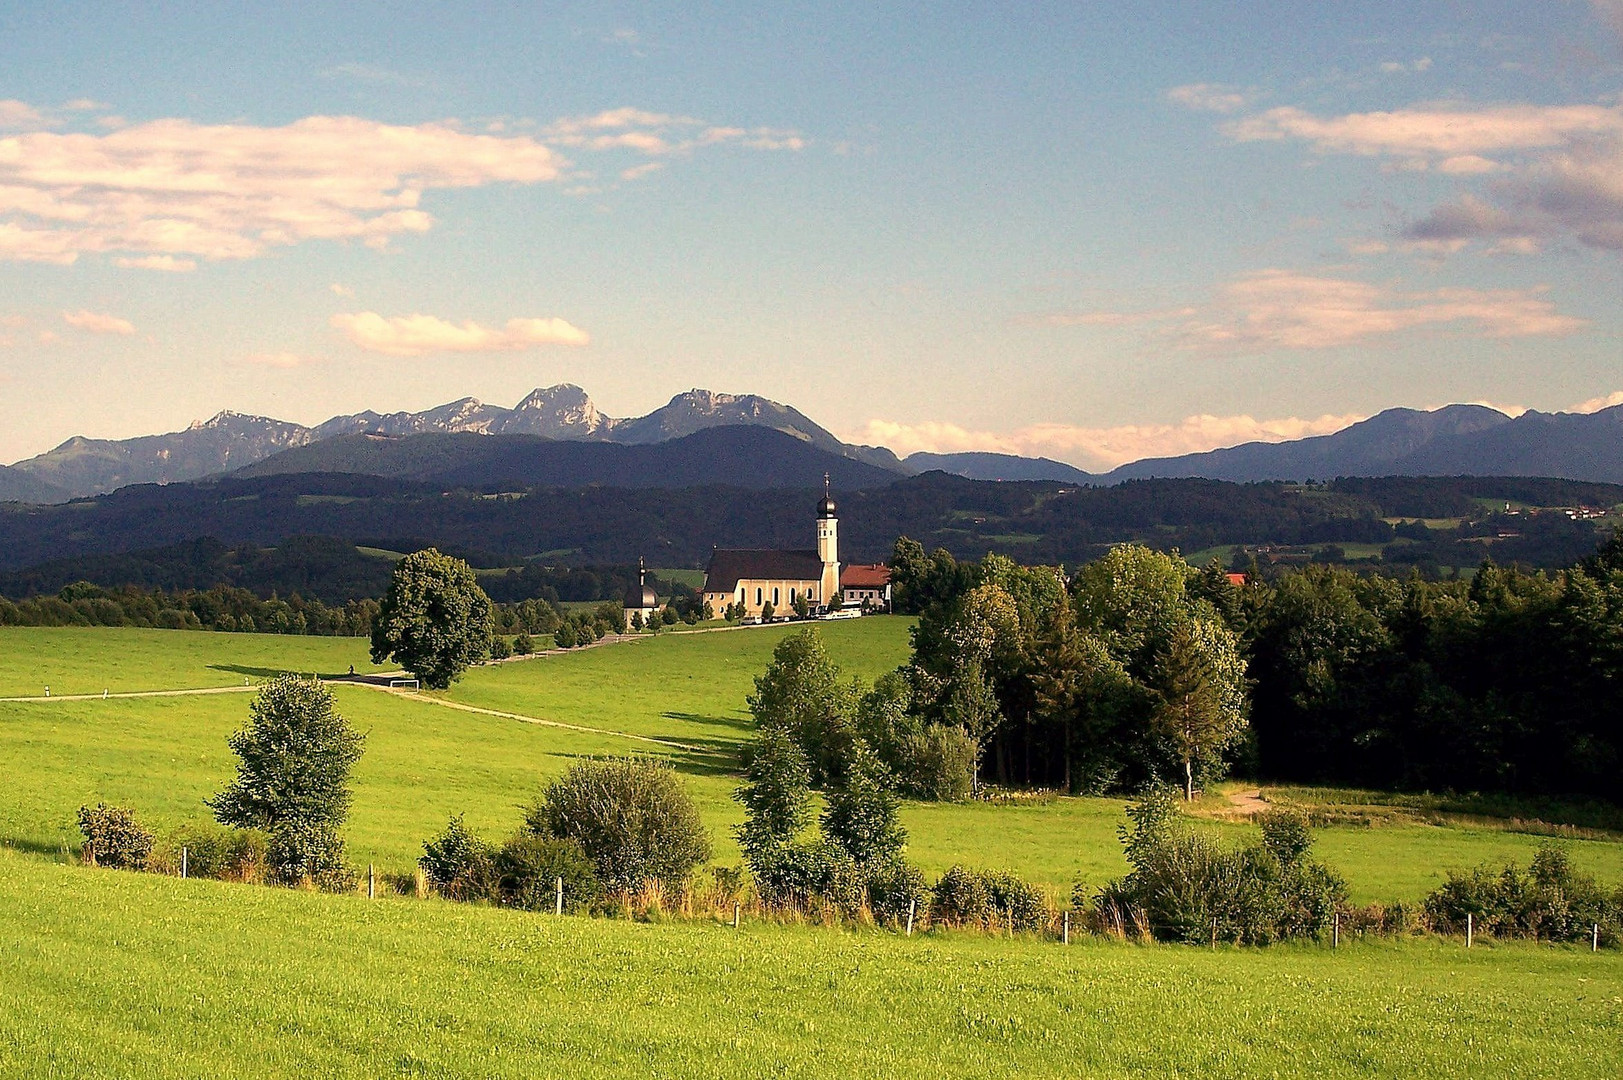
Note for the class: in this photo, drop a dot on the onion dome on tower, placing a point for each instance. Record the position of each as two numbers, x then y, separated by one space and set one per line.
825 506
641 596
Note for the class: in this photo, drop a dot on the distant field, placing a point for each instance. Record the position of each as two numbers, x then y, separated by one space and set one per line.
423 762
116 974
88 660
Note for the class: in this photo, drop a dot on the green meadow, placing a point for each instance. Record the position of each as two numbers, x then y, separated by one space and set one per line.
678 696
118 974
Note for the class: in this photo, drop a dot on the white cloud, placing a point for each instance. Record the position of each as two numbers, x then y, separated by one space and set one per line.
19 116
414 335
157 262
185 190
1561 165
180 191
341 290
658 134
1098 448
1286 309
1212 97
93 322
284 360
1596 404
1434 132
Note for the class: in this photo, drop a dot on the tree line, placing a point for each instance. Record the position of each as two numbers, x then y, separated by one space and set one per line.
1139 669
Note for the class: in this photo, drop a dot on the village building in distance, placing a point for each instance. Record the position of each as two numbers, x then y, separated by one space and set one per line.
640 599
750 580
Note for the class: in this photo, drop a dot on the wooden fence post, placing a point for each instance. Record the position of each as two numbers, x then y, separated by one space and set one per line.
1214 933
371 883
1594 941
1065 928
1335 932
912 909
183 854
560 896
736 909
1470 927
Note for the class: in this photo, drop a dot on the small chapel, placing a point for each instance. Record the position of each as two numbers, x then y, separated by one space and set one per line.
755 578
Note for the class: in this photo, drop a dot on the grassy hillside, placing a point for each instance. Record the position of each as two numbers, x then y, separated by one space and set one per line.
88 660
425 761
115 974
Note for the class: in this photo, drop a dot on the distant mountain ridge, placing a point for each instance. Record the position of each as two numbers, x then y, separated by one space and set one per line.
230 441
1456 440
736 455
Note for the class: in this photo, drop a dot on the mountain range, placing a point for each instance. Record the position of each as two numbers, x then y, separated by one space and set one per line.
539 440
230 441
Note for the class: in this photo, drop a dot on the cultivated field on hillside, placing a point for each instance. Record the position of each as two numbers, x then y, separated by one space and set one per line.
679 696
118 974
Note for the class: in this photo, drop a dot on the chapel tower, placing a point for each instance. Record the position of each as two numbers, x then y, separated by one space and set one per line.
828 545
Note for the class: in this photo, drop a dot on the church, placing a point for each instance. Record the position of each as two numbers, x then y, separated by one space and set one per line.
756 578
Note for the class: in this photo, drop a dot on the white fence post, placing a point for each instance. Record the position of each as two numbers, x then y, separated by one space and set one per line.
371 883
1065 929
183 854
912 910
560 896
1470 927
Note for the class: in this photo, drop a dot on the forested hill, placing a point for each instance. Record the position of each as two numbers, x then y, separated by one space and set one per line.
748 457
1465 520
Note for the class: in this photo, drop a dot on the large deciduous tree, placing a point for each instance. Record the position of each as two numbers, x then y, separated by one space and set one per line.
435 620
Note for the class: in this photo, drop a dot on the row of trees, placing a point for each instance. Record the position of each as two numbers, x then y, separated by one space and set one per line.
219 608
1139 669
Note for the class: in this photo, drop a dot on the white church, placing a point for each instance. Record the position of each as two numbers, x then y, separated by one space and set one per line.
755 578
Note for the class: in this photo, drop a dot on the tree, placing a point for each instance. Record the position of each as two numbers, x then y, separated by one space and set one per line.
435 620
1191 711
776 797
860 817
972 705
802 694
294 762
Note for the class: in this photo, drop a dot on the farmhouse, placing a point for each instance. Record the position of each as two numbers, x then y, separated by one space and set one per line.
756 578
866 585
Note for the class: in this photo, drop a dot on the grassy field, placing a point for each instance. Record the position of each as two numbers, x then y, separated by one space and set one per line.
88 660
425 761
116 974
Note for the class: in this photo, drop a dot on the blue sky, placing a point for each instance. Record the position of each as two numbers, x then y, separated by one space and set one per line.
1094 232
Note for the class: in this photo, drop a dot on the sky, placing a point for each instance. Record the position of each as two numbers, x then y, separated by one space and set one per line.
1094 232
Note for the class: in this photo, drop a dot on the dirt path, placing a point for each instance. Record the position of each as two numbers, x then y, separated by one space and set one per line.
1248 802
105 696
447 704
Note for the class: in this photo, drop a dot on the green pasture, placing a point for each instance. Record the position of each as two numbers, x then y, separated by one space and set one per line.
425 761
90 659
118 974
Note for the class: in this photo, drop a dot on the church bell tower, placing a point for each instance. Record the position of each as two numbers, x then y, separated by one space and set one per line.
828 545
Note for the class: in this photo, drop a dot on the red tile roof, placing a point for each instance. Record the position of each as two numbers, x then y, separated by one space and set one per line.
860 576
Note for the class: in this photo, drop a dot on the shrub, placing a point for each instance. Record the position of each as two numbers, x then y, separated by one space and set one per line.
524 645
528 868
633 818
1188 888
114 838
499 648
895 886
804 874
459 864
993 900
213 852
1551 901
564 637
1285 834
